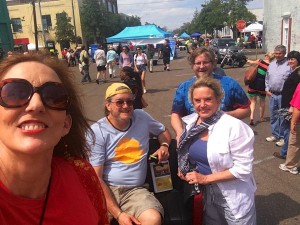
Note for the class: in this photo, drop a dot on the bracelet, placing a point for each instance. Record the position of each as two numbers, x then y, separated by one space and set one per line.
165 144
119 214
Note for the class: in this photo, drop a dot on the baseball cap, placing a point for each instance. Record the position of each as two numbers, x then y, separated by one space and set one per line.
116 88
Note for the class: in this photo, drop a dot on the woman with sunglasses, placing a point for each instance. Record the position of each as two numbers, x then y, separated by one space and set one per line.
44 176
140 65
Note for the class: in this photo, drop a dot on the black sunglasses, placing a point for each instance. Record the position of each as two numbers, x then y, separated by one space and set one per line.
120 103
15 93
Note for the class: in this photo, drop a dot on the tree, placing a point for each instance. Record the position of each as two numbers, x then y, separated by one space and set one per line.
93 17
97 23
216 13
64 30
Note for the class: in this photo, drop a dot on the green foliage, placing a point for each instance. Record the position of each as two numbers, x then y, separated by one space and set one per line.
215 14
64 30
97 23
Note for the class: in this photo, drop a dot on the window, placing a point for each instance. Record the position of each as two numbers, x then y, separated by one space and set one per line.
47 23
16 24
285 30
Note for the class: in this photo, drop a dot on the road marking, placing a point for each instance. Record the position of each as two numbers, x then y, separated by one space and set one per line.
256 162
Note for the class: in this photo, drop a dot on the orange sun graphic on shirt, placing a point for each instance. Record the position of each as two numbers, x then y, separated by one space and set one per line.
128 151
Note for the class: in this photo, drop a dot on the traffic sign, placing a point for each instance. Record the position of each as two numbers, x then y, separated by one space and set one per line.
240 24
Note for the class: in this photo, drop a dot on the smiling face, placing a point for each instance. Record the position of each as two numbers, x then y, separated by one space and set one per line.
202 66
33 128
119 111
293 63
205 102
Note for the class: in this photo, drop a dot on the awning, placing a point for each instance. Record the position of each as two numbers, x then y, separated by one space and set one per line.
21 41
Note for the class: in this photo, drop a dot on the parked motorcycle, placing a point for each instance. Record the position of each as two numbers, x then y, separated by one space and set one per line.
234 57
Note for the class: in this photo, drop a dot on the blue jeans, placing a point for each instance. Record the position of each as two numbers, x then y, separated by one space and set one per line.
285 128
275 119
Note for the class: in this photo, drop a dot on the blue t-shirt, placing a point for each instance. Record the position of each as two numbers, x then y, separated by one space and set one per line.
123 153
234 96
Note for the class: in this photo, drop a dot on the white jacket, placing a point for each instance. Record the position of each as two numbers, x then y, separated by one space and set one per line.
230 146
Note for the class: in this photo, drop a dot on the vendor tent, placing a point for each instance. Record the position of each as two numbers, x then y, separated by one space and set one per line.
184 35
254 27
139 32
195 35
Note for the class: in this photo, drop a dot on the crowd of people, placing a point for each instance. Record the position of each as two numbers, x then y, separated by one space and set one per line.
55 168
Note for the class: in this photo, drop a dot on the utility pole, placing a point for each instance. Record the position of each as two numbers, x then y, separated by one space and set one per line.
74 24
35 25
43 30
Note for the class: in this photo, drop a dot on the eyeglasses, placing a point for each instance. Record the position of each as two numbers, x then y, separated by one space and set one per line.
120 103
15 93
138 49
205 63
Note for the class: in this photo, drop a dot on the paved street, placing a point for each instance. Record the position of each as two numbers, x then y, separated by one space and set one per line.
278 192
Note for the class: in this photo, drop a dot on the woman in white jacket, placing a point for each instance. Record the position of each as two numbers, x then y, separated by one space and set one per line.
216 152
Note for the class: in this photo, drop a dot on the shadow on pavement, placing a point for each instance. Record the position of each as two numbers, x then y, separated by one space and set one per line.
276 207
156 90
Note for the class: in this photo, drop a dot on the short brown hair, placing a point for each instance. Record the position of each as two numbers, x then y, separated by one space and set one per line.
208 52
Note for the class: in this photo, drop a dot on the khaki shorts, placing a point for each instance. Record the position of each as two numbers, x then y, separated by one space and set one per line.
135 200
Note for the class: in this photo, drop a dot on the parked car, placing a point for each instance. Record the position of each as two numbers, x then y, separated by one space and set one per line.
220 45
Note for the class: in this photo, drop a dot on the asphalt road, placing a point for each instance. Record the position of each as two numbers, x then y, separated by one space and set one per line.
278 192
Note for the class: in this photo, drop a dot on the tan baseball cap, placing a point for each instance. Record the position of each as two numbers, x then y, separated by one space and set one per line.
116 88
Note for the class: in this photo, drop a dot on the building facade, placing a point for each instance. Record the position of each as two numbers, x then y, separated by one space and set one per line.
281 24
47 12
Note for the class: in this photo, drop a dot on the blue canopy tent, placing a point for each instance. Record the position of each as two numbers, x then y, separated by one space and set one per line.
139 32
184 35
195 35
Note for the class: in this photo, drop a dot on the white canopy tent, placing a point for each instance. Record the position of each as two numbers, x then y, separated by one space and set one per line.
254 27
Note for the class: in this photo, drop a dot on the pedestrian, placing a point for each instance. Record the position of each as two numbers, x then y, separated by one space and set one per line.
166 53
234 103
119 157
111 59
126 58
278 72
256 89
287 92
293 154
140 65
216 152
45 177
85 63
133 80
150 51
100 59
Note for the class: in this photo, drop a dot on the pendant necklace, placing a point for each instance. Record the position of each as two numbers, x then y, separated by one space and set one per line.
45 202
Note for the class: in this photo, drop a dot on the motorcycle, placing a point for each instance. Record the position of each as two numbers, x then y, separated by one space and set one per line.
234 57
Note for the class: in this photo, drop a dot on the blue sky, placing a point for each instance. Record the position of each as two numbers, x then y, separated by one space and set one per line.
169 13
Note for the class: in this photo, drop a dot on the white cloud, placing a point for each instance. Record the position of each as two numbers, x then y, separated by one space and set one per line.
166 13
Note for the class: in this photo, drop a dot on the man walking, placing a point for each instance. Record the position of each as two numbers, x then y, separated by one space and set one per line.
84 60
165 53
100 59
278 72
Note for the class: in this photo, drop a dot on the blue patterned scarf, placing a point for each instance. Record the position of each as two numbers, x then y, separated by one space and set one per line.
186 139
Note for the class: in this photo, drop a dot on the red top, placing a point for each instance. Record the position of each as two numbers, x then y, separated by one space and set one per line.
75 198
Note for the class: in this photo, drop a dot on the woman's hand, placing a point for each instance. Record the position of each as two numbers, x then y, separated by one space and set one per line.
196 178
